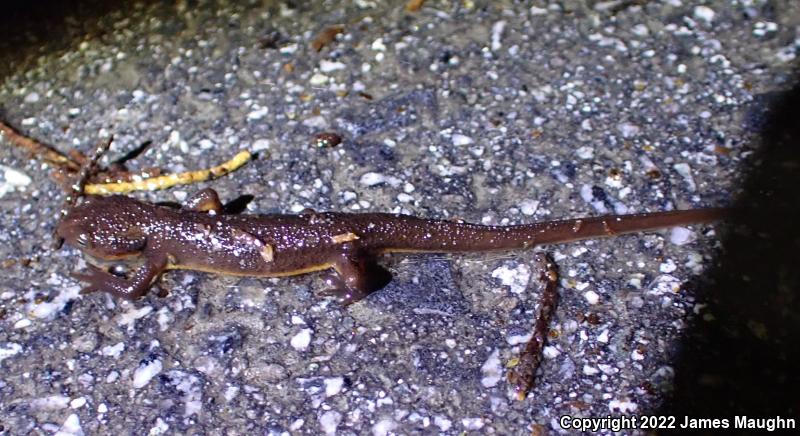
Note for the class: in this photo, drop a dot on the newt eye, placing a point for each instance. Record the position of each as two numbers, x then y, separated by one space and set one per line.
82 239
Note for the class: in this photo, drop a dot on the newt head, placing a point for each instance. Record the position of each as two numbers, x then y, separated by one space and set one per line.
107 228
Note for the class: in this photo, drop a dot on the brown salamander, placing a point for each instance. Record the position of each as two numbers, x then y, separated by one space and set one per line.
199 236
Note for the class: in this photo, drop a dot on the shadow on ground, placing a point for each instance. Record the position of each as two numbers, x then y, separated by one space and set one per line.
745 360
32 28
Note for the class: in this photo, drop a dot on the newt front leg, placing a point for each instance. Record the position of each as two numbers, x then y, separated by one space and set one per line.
130 289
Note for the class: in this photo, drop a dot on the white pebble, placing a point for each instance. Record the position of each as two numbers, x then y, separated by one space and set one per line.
622 406
492 370
472 423
497 34
145 373
378 45
628 130
372 179
384 427
518 339
113 350
459 139
71 426
180 195
329 421
130 317
160 427
681 236
9 349
333 386
664 284
301 340
640 30
33 97
613 182
328 66
258 113
590 370
592 297
15 178
404 198
318 79
535 10
607 369
21 324
288 49
261 144
443 423
516 278
550 352
668 266
686 172
230 393
579 251
528 206
585 152
704 13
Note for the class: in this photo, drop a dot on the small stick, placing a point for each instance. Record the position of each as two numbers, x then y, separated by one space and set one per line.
46 152
523 376
77 188
170 180
127 182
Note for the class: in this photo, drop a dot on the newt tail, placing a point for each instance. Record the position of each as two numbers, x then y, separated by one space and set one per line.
404 234
200 236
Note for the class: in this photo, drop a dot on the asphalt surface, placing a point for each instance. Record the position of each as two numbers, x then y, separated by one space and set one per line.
492 112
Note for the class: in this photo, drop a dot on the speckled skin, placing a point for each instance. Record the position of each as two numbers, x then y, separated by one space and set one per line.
201 237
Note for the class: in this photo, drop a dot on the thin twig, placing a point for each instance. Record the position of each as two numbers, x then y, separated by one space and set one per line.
123 181
523 375
77 188
42 151
170 180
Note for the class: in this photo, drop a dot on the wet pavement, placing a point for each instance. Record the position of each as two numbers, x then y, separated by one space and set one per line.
491 112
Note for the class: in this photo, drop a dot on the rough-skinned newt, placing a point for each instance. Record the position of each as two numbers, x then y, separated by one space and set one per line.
199 236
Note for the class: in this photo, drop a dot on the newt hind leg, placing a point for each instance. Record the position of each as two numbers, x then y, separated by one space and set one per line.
355 278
